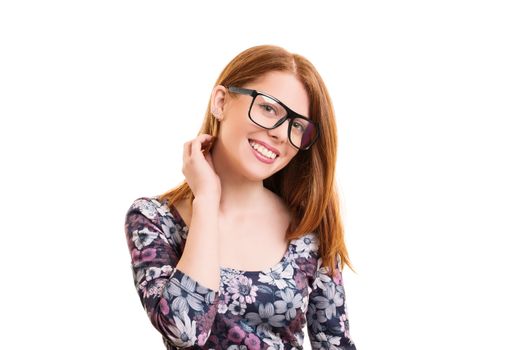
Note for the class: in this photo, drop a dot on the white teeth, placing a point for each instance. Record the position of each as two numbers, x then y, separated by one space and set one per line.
263 150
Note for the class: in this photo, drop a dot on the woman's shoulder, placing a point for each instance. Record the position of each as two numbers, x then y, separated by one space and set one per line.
306 246
304 254
153 217
182 209
152 207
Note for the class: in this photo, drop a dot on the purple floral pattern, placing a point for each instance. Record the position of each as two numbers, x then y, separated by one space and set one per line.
252 310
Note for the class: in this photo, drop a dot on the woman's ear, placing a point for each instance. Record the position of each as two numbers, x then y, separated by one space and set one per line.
218 101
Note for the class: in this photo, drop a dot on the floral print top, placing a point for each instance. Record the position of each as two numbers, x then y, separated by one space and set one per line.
252 310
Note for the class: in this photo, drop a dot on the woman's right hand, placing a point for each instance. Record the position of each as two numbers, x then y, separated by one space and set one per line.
199 170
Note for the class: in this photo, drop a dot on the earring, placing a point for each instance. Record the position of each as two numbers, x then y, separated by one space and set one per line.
216 113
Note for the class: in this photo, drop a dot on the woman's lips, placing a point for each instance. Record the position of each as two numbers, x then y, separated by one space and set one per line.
268 147
260 156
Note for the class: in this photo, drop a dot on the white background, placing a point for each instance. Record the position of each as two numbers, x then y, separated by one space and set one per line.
97 98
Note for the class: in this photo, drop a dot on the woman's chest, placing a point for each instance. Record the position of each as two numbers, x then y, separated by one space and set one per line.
252 246
275 297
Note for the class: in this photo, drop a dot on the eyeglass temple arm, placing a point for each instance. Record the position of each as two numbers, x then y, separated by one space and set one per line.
241 90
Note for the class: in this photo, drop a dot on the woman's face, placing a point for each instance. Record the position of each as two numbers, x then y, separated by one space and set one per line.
243 144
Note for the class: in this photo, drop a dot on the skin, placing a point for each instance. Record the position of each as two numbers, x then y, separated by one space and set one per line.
231 207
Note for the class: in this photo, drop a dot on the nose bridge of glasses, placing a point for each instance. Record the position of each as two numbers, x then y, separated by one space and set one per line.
281 128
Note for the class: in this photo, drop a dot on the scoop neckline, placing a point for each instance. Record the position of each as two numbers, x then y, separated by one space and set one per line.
233 269
264 271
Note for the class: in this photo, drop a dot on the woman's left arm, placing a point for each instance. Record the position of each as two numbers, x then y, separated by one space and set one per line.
327 317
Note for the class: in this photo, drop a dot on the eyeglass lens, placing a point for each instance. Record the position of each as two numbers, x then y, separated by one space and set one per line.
267 112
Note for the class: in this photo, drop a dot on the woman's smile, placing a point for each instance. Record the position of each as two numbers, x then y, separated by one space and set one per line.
268 153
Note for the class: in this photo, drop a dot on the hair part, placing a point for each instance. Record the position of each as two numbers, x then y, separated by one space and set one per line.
307 184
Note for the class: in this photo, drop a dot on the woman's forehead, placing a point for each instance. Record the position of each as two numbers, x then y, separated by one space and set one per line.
284 86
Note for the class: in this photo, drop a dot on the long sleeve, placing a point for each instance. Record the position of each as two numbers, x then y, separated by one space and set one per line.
327 321
180 308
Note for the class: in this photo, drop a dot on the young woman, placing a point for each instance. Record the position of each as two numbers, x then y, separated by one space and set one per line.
250 247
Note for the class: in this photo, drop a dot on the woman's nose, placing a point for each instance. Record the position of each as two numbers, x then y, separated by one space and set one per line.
280 133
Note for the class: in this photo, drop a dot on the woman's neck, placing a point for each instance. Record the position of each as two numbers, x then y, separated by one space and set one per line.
238 193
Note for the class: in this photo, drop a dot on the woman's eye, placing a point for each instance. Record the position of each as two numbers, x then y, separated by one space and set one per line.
268 108
298 126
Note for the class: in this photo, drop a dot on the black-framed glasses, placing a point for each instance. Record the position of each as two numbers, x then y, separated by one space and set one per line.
269 113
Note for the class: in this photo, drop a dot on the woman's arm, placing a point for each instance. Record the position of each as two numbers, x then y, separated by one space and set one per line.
200 258
179 306
201 255
327 317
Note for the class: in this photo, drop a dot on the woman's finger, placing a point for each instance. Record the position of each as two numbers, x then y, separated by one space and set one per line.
196 144
209 160
204 139
186 151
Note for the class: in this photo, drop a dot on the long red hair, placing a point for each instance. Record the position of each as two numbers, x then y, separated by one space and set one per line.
307 183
